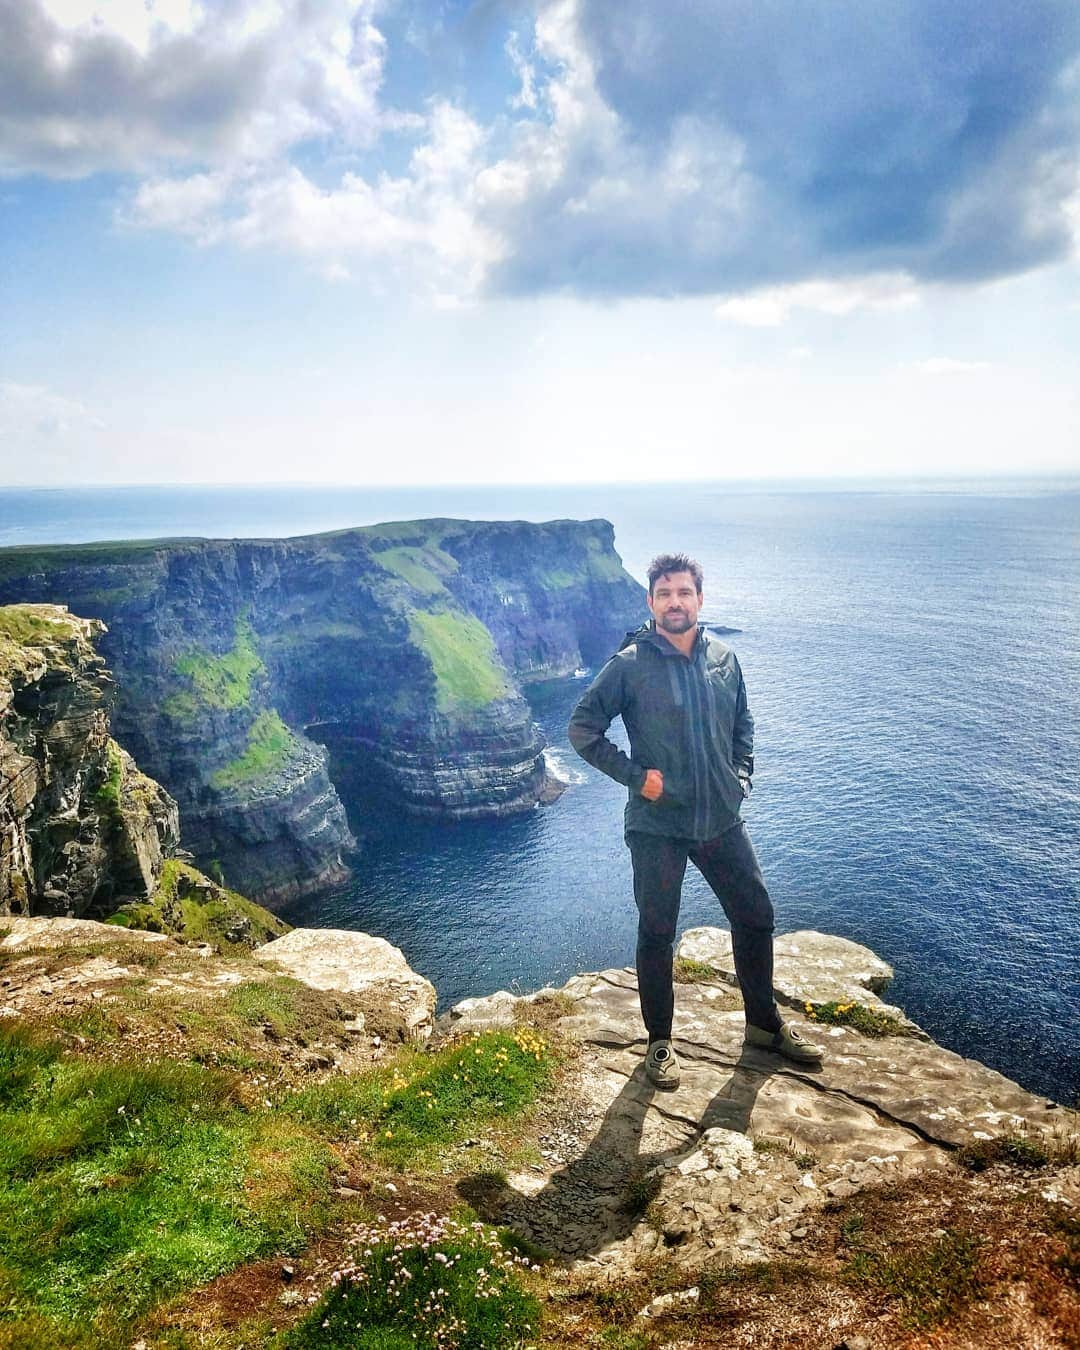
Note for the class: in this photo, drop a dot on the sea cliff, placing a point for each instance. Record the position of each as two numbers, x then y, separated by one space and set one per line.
263 681
79 823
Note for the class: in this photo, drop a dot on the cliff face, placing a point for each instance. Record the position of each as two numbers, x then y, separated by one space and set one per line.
79 823
250 672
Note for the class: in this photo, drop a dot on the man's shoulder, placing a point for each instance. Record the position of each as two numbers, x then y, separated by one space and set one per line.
631 639
717 653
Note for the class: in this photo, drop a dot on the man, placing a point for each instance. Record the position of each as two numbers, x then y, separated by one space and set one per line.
682 699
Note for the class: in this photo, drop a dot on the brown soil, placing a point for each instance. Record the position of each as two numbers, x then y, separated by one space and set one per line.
1023 1294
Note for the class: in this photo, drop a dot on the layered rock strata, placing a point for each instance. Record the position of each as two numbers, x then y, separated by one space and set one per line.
79 823
259 677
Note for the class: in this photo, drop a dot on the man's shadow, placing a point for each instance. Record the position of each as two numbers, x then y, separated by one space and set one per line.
600 1196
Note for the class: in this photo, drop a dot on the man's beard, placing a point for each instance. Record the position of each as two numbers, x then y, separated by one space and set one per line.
675 623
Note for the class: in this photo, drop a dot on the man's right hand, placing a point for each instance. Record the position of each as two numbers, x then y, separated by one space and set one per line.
653 786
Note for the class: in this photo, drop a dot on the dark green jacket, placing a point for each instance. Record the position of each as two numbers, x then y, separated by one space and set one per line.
686 717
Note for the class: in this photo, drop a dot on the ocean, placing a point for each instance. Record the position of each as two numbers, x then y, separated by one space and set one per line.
912 655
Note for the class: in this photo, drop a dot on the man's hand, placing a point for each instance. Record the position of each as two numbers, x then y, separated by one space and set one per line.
653 786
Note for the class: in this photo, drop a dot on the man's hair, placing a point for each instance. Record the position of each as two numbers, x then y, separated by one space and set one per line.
664 563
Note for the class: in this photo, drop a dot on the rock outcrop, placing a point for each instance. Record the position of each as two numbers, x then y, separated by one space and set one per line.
261 681
79 823
384 999
737 1161
391 998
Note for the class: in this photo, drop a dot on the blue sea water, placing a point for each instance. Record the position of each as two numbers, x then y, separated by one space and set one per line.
913 661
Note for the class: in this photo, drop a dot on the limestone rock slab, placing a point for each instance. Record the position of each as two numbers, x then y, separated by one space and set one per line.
808 967
395 1001
746 1150
43 931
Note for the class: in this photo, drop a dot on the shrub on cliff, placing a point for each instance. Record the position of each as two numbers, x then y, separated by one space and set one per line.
189 906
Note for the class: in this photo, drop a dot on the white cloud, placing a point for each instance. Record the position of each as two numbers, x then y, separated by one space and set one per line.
637 153
526 96
132 86
424 219
31 414
947 365
773 306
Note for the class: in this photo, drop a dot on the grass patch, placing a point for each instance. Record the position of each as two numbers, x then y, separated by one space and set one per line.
868 1021
427 1101
189 906
124 1183
767 1277
423 1281
224 681
269 747
688 971
641 1190
420 568
19 624
462 655
267 1003
558 579
1016 1150
785 1148
24 560
930 1283
253 1027
107 796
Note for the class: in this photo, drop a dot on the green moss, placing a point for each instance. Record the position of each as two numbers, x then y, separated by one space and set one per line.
182 707
603 564
223 681
462 655
688 971
107 796
189 906
558 578
269 747
309 634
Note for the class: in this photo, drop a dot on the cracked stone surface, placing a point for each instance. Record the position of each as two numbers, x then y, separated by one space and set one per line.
738 1159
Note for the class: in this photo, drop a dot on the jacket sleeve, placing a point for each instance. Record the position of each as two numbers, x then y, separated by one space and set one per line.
742 735
598 707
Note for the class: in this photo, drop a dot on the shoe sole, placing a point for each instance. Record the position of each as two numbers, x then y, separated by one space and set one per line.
791 1059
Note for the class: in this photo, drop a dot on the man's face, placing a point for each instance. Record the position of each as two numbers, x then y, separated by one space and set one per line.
675 602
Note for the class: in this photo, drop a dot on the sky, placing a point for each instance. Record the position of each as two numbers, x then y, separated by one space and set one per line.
488 241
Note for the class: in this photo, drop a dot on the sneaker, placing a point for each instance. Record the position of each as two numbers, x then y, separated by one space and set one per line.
661 1066
788 1041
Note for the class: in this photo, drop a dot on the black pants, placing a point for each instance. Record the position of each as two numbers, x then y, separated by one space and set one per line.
730 866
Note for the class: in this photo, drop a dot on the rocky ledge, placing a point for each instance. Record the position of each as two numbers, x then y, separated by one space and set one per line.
761 1205
750 1148
266 682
